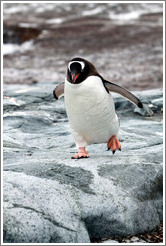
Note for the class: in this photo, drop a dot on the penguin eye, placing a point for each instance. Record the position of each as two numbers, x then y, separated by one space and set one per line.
80 62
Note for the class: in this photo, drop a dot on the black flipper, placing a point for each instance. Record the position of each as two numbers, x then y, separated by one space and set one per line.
122 91
59 91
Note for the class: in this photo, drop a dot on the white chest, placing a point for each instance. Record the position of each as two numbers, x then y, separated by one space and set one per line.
90 110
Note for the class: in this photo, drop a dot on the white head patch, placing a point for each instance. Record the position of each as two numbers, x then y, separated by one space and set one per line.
80 62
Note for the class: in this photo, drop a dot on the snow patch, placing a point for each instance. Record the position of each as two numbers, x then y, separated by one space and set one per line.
15 9
27 25
126 16
12 48
135 14
95 11
55 21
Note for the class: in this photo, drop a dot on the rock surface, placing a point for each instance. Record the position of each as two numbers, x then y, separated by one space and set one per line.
50 198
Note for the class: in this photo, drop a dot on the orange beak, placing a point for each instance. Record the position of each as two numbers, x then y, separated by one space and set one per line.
74 77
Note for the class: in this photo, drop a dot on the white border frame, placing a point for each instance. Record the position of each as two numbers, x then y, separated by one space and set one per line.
2 2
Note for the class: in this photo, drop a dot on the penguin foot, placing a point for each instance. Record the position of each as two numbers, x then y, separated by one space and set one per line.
113 144
82 153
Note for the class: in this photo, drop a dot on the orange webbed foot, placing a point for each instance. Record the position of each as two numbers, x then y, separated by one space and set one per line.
82 153
113 144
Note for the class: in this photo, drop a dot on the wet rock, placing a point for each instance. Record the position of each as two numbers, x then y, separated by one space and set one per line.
18 35
50 198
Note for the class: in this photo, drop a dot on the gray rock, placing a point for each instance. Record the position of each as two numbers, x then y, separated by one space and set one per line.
41 210
50 198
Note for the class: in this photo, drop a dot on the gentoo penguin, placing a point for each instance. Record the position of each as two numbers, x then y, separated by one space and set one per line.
90 106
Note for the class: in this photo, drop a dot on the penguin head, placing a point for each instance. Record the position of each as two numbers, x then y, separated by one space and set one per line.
78 70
